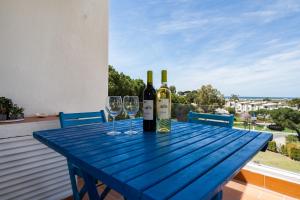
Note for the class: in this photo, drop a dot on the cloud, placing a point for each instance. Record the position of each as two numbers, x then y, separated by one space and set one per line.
179 22
246 48
274 75
274 11
186 18
181 25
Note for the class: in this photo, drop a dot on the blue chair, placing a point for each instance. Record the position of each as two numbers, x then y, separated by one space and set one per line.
78 119
211 119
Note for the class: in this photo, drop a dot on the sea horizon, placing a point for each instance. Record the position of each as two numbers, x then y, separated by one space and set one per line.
262 97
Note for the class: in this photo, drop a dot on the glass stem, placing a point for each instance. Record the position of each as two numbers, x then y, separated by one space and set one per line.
113 124
130 123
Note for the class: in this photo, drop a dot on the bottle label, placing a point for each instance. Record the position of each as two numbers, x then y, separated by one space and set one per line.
148 109
163 109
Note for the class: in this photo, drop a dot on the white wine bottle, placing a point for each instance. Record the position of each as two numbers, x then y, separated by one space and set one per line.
163 106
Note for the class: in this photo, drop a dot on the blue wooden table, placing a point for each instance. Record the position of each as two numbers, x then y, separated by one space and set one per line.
192 162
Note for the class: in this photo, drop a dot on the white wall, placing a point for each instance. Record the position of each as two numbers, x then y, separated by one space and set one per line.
54 54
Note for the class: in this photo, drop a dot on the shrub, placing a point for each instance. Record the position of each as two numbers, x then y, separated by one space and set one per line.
181 111
291 138
275 127
290 146
16 112
5 105
9 110
295 153
231 110
272 146
283 150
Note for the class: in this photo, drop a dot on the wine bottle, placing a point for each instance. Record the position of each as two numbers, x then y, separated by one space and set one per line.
149 102
163 106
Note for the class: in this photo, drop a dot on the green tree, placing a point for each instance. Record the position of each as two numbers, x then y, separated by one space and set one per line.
173 89
287 118
175 98
234 97
191 96
295 102
267 99
231 110
209 98
120 84
262 112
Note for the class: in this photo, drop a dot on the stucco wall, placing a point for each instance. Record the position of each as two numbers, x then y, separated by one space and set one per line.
54 54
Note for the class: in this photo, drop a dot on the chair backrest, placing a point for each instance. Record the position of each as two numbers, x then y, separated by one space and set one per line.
76 119
211 119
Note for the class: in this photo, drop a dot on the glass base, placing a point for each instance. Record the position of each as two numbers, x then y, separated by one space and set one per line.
113 133
163 130
131 132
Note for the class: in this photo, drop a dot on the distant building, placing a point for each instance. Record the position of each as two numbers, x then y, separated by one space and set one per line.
252 105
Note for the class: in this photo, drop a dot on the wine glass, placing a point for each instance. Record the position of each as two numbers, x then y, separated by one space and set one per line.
131 107
114 108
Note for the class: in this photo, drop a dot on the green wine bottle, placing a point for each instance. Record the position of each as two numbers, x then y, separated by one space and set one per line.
149 108
163 106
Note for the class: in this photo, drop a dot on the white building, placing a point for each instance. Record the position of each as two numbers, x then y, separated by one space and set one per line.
250 105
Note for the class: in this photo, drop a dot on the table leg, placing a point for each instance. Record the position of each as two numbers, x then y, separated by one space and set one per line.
89 181
104 193
218 196
72 174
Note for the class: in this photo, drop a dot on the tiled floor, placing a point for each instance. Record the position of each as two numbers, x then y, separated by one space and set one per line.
238 191
232 191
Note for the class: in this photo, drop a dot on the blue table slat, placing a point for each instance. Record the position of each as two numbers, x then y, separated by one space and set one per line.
157 166
89 131
153 164
98 152
126 144
91 137
181 168
146 166
173 145
158 148
206 187
179 180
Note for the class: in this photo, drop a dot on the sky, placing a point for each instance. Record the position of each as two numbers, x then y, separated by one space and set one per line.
248 48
